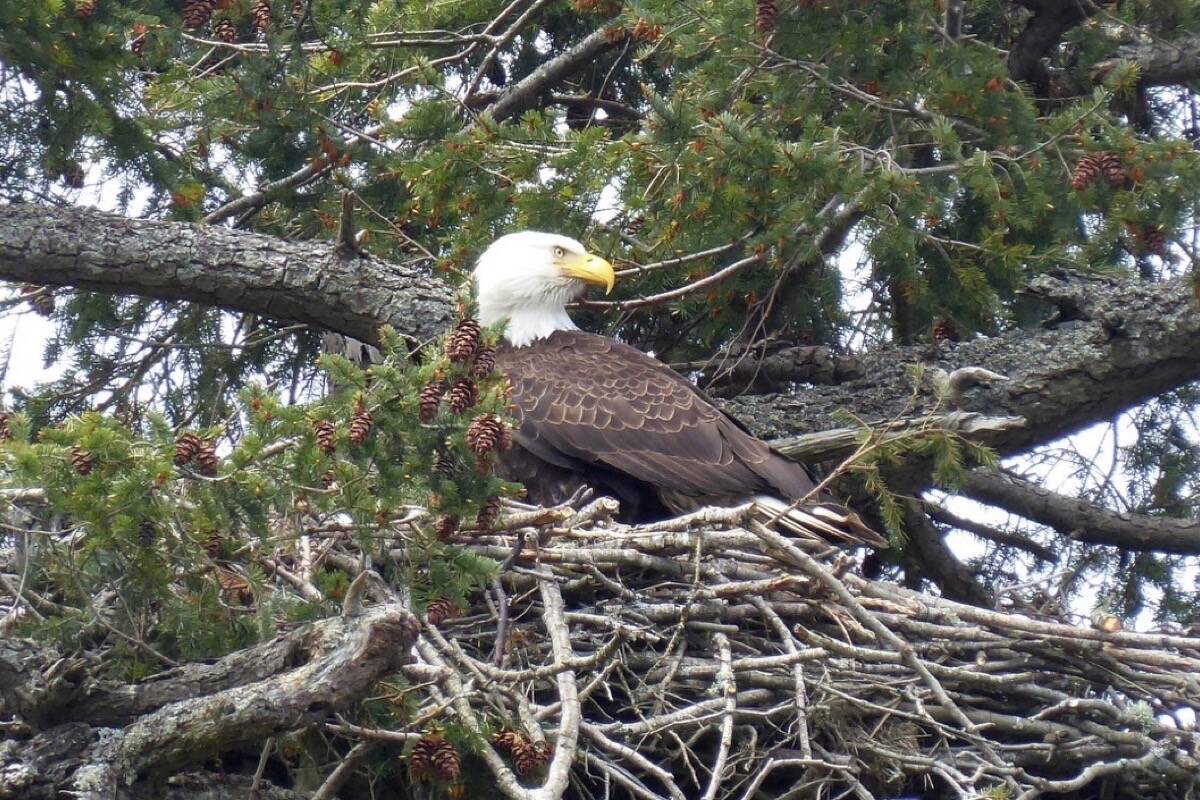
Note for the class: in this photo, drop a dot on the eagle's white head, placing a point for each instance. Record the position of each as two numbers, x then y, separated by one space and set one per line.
529 277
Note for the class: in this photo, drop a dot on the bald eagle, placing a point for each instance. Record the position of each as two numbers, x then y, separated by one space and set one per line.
594 412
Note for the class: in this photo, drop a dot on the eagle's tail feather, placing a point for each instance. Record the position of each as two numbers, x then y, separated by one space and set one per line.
827 521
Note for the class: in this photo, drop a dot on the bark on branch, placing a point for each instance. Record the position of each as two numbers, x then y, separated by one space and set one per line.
1117 343
307 282
1159 62
1080 519
331 664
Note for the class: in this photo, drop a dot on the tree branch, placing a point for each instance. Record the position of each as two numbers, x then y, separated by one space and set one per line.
307 282
1127 341
1080 519
527 92
1159 63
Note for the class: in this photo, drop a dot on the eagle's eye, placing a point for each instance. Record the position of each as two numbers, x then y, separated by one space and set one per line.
559 252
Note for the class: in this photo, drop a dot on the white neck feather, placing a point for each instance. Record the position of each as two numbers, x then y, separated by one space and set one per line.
534 308
528 325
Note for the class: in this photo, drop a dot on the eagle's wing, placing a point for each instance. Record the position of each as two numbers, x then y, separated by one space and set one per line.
595 400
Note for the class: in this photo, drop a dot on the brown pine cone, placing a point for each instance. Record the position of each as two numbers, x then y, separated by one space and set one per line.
429 399
325 433
1154 241
463 341
186 447
433 756
485 362
485 520
5 432
328 479
505 443
483 434
213 545
441 609
446 526
445 466
462 395
137 41
764 16
234 586
84 9
1085 172
360 423
1114 170
40 297
260 16
446 762
944 331
82 460
206 459
225 30
196 13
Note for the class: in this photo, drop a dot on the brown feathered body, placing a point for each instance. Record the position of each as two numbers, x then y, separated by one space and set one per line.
594 412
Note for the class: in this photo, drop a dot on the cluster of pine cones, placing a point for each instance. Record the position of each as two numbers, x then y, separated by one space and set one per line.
462 346
1094 165
528 757
197 13
191 448
433 757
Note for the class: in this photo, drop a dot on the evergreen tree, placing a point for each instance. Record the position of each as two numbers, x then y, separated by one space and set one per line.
802 196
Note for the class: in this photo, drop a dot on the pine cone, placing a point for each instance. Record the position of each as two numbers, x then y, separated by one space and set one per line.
1154 241
40 297
1113 168
206 459
213 545
186 447
445 466
446 526
82 460
1085 172
527 756
447 763
5 431
635 225
485 520
463 395
196 13
764 16
944 331
260 16
433 756
463 341
360 423
325 433
137 42
505 442
225 30
328 479
485 362
430 397
483 434
441 609
84 9
234 586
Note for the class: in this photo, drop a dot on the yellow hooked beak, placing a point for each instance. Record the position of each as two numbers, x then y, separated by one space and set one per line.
589 269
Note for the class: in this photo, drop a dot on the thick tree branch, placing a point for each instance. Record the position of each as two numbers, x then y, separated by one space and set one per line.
302 281
527 92
1159 63
1080 519
1042 33
1126 341
334 663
